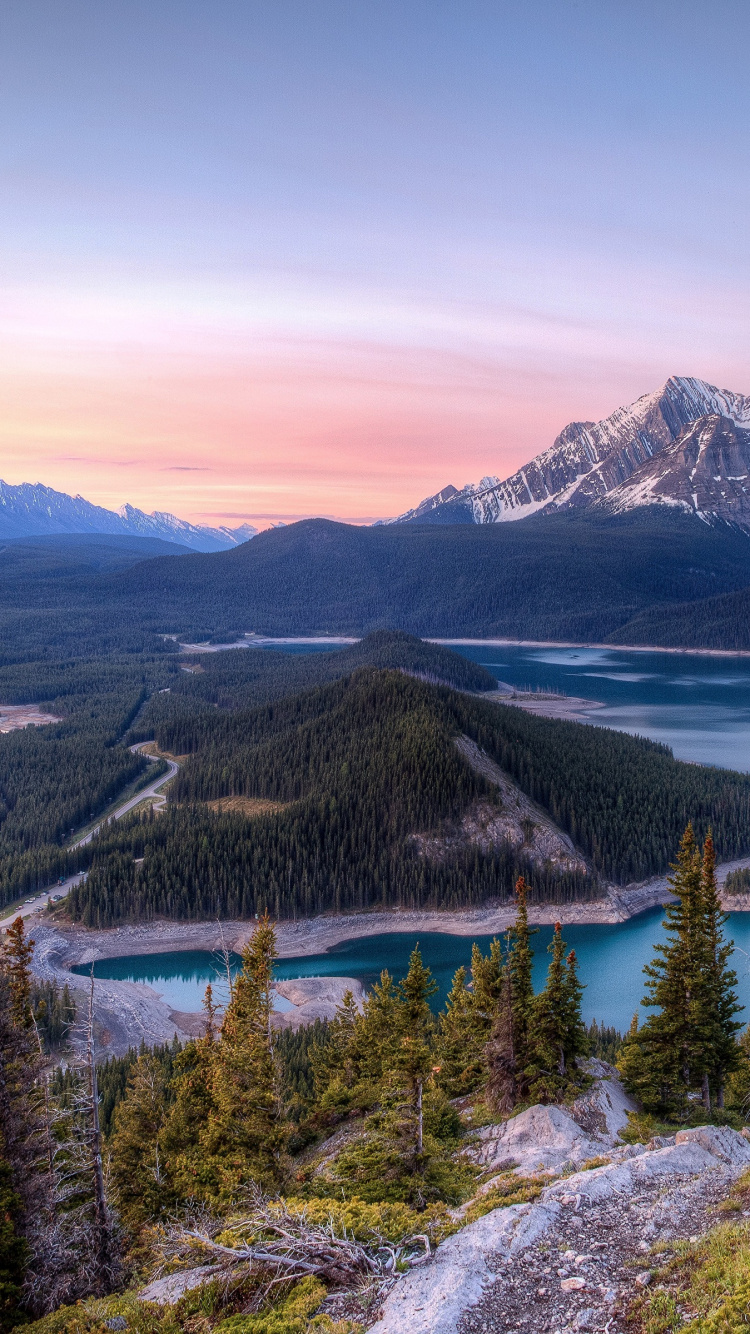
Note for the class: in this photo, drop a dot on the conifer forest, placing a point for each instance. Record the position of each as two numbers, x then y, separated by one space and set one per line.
314 1163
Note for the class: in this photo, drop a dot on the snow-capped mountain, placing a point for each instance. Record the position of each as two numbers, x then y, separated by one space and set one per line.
588 459
706 471
33 510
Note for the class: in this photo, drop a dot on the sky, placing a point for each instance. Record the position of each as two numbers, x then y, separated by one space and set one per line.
265 259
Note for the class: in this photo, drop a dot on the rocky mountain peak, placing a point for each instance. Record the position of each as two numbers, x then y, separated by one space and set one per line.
589 460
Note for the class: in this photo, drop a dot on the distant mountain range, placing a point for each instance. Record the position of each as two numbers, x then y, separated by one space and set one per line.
686 446
33 510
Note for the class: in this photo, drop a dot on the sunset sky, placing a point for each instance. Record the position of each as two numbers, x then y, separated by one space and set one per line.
264 259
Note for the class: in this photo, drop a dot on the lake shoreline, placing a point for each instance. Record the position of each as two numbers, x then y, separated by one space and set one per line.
129 1013
612 648
315 935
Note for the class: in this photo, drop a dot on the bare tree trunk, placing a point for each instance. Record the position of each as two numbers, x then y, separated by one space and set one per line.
706 1093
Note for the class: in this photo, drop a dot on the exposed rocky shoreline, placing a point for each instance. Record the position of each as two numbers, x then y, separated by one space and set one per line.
131 1012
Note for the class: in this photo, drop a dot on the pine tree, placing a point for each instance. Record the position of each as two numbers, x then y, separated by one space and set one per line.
550 1026
520 963
19 952
245 1135
689 1044
738 1084
509 1050
504 1076
190 1174
716 1002
576 1037
336 1064
138 1172
486 985
461 1064
414 1058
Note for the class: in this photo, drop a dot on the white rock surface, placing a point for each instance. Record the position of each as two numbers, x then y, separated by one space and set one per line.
166 1291
433 1300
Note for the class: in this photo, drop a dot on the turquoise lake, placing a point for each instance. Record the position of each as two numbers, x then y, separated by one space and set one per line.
697 704
611 959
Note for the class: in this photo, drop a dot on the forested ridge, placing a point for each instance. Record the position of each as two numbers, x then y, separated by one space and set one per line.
55 779
581 576
239 678
361 765
721 622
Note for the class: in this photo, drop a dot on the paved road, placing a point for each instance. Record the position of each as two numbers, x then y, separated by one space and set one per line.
39 901
150 791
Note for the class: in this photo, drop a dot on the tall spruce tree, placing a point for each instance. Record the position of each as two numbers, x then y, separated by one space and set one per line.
716 1000
689 1044
414 1058
138 1172
509 1050
245 1136
461 1064
550 1026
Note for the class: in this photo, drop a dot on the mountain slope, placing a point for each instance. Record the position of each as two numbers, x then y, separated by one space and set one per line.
575 575
704 471
588 459
33 510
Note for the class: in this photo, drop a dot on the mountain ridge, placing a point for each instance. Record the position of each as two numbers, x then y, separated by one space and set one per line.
589 460
32 509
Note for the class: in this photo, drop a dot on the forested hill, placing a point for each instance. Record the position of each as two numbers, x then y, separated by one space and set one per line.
348 773
237 678
721 622
580 576
556 577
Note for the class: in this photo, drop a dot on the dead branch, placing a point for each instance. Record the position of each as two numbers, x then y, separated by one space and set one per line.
271 1237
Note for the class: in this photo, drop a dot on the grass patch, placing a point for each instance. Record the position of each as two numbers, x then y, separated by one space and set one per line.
509 1190
704 1286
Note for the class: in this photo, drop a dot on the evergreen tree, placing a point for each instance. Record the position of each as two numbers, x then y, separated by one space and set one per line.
461 1065
505 1077
18 953
508 1054
689 1044
550 1026
486 985
576 1036
738 1084
245 1135
520 963
416 1024
138 1172
190 1173
716 1001
336 1062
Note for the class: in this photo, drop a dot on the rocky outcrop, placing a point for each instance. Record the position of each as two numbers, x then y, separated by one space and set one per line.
315 998
512 819
576 1257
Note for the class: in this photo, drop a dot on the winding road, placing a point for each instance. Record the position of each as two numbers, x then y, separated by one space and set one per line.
151 790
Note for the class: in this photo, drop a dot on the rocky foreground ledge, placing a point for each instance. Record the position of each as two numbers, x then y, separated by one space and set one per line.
574 1259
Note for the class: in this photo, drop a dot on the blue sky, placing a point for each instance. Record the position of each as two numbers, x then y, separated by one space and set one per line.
266 259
